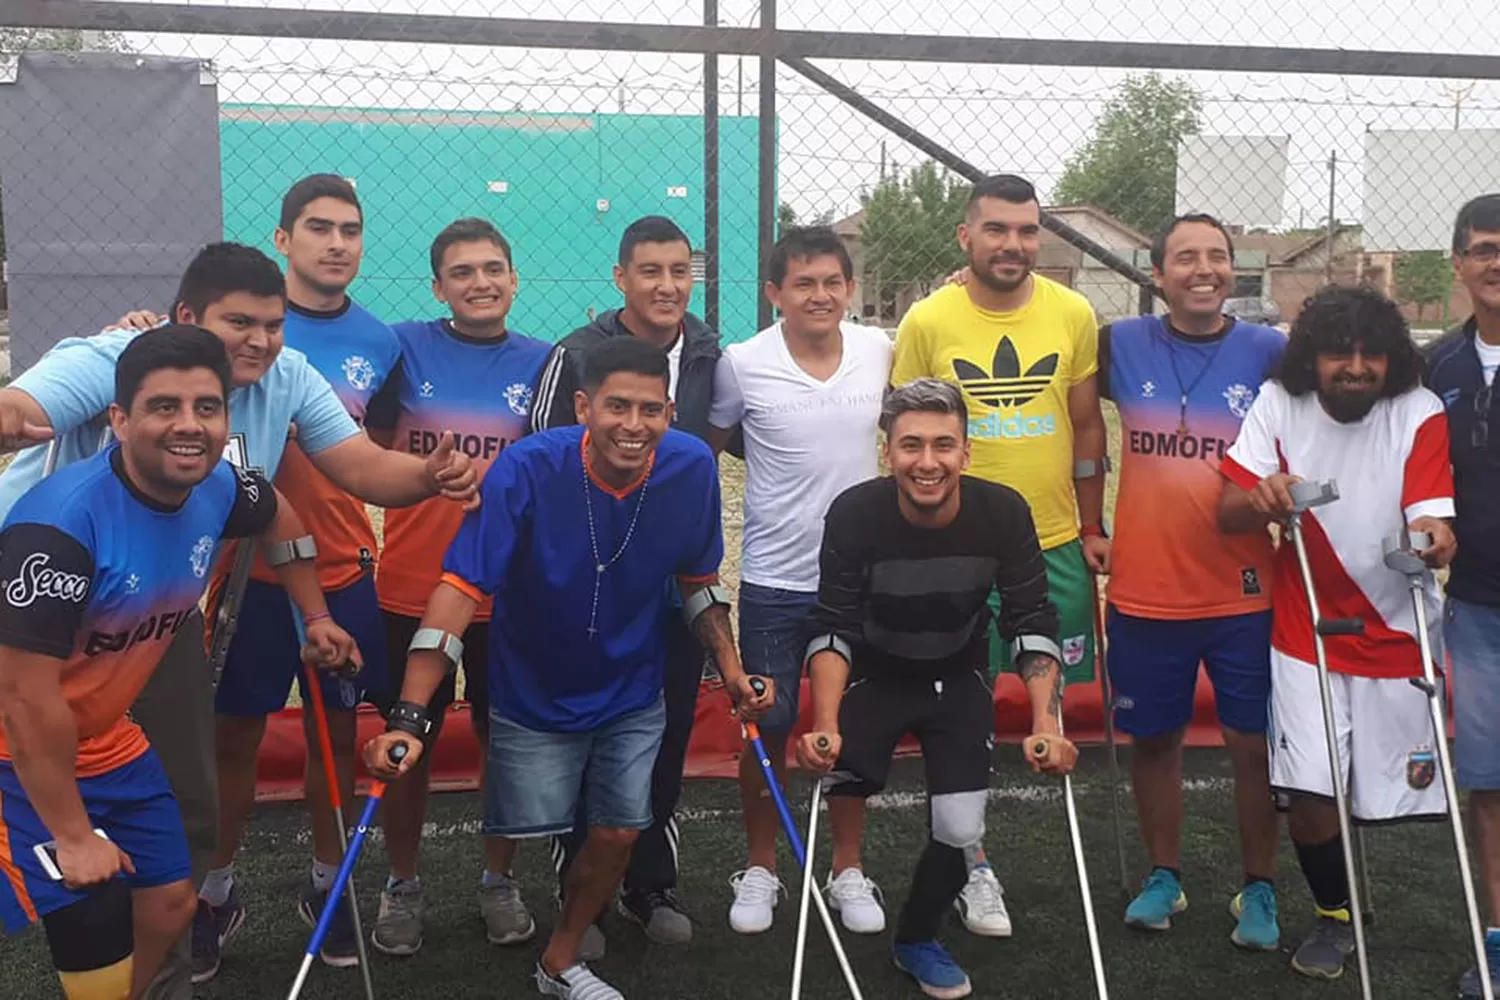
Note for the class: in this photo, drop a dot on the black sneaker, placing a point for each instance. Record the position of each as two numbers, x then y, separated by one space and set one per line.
213 926
659 912
339 949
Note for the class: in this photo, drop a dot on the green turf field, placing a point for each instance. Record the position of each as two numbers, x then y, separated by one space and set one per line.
1417 944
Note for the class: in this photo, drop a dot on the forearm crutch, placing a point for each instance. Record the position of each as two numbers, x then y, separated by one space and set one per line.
1305 496
804 857
336 803
1039 751
346 869
227 615
1401 555
1107 693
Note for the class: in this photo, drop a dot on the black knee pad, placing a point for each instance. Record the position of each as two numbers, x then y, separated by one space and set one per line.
94 933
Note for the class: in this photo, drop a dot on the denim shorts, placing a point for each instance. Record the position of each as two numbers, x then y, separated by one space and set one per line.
773 637
1472 634
534 780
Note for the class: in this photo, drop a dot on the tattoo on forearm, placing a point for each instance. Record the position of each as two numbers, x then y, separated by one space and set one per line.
1036 666
714 631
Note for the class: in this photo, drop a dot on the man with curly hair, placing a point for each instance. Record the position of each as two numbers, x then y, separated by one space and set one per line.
1347 405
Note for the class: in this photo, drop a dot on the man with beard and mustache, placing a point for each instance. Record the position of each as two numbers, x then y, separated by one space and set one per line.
901 636
1346 405
1462 369
1023 349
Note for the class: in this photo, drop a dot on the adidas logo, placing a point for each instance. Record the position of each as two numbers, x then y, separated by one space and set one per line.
1004 384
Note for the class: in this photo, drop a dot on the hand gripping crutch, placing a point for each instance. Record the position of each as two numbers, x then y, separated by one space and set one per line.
346 868
1306 495
336 803
804 860
1401 555
1107 693
1038 750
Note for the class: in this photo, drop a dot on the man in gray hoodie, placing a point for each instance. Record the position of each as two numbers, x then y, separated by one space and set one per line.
655 275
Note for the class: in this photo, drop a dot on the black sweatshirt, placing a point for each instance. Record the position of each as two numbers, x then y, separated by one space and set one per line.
907 598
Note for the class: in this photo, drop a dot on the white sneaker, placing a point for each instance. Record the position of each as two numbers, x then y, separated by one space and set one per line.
756 893
857 900
575 982
982 904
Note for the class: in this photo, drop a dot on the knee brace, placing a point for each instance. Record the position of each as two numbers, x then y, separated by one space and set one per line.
958 818
92 943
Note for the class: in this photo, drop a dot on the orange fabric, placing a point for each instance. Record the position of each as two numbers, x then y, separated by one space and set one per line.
10 870
337 521
416 539
618 494
463 586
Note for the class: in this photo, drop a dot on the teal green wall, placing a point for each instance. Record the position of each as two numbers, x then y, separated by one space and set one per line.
417 171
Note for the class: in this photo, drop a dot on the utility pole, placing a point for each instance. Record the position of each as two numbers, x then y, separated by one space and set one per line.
1333 175
1460 95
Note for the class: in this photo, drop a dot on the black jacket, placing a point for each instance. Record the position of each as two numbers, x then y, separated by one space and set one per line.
562 375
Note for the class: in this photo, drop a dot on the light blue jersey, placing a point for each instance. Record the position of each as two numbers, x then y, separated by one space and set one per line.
75 382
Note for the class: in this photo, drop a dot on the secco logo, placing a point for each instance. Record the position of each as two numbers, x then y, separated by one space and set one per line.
199 557
359 372
994 427
518 398
37 580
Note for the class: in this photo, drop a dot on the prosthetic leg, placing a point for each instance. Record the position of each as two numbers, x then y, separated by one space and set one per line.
1401 555
1306 495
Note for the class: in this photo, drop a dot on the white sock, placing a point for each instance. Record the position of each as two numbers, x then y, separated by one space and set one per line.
216 885
322 875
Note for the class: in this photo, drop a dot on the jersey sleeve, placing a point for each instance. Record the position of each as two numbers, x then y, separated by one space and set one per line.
254 504
47 576
1027 615
842 570
1085 345
909 358
479 555
1427 480
704 548
1255 453
75 381
384 407
321 419
728 407
1104 390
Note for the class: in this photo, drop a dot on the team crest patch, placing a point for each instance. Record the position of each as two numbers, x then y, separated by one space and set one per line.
359 372
1421 766
1250 582
518 398
1239 397
200 555
1073 649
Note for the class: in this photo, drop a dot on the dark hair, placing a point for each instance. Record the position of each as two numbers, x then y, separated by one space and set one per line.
179 346
1338 319
805 243
310 189
468 230
651 229
1482 213
1006 187
221 269
924 395
623 354
1159 245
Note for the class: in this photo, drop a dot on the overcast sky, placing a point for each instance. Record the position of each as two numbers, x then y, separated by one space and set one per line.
1026 119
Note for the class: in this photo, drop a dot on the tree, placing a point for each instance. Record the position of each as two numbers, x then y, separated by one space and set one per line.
786 217
15 40
908 228
1423 278
1129 167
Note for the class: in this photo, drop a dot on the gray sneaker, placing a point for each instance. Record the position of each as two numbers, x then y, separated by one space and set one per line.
398 928
1322 953
660 913
506 919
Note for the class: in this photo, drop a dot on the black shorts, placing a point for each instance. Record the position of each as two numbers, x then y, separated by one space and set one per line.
399 630
953 718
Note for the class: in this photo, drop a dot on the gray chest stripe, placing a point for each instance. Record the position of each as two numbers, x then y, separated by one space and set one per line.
943 575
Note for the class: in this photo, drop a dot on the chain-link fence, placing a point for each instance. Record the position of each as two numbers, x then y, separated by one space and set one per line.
1338 140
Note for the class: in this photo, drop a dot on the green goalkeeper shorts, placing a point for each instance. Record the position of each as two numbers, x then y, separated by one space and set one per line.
1071 588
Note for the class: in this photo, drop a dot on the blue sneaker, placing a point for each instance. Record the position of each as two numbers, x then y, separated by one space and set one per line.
1161 896
933 968
1255 909
1468 984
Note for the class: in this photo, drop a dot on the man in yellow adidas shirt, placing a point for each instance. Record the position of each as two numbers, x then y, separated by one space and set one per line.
1024 349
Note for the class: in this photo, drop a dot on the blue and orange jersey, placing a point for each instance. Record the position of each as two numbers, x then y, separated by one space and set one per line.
355 352
478 389
1181 402
101 576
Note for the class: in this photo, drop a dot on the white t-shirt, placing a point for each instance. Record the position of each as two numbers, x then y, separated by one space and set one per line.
1390 468
805 443
1489 358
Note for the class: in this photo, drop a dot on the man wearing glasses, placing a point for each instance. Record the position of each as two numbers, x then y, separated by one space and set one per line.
1461 370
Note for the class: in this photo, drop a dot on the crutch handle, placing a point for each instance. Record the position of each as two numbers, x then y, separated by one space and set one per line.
1307 494
1341 626
396 754
823 744
1038 749
1401 551
758 685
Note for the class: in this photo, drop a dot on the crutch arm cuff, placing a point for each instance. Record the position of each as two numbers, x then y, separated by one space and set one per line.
829 643
1037 644
408 717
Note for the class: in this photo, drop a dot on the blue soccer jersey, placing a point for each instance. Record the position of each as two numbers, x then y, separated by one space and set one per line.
579 574
75 382
99 575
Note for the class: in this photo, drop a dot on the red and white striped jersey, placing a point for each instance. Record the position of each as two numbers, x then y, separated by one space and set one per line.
1390 467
